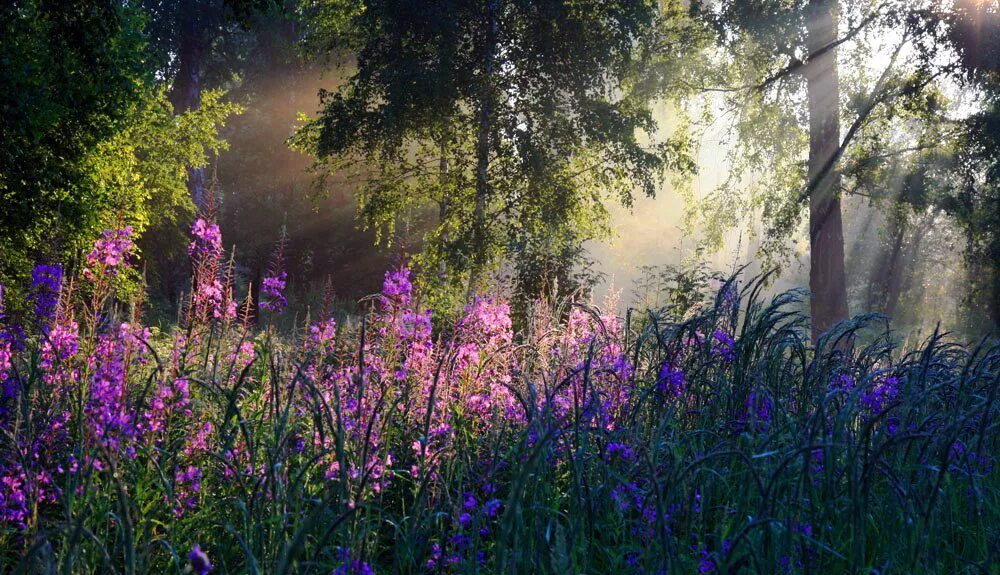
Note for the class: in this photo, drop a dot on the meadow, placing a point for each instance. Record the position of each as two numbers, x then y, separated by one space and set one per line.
395 441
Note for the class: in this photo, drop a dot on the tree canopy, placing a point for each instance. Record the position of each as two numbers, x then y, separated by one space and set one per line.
514 119
89 140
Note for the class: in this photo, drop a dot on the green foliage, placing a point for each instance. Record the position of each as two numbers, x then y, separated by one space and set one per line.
676 292
975 32
142 170
70 75
892 114
550 114
976 206
88 140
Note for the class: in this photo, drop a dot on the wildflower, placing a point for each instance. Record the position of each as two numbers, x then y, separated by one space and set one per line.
170 398
723 346
816 461
843 382
758 411
491 507
470 501
272 290
7 385
671 381
14 504
351 566
272 287
397 288
46 283
199 442
200 563
207 240
627 495
878 398
620 450
188 486
61 344
212 290
110 251
322 336
706 563
109 420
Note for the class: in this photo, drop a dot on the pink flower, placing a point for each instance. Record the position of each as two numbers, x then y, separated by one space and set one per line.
110 252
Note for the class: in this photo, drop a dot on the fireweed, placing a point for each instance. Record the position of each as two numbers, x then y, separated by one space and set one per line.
397 442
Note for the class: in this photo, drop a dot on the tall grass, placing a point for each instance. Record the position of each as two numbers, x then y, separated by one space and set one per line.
723 443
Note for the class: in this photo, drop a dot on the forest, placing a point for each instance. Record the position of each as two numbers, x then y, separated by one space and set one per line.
499 286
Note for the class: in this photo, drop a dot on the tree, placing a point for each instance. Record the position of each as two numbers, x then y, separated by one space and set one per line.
145 169
975 33
89 140
70 75
827 279
190 39
512 119
785 89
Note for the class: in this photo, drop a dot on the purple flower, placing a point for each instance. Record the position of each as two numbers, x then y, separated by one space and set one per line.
207 240
843 382
816 461
620 450
199 560
109 419
272 287
878 398
723 346
491 507
110 251
706 564
171 397
397 288
758 411
211 296
470 501
627 495
671 381
46 283
272 290
350 566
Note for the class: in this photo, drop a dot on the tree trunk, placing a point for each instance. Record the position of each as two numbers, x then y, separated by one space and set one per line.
479 248
886 275
895 276
443 207
186 92
827 276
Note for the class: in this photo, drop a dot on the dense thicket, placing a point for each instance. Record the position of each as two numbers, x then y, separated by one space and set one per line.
89 137
71 74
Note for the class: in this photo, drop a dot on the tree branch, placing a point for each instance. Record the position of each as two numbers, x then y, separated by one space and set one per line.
797 64
876 97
